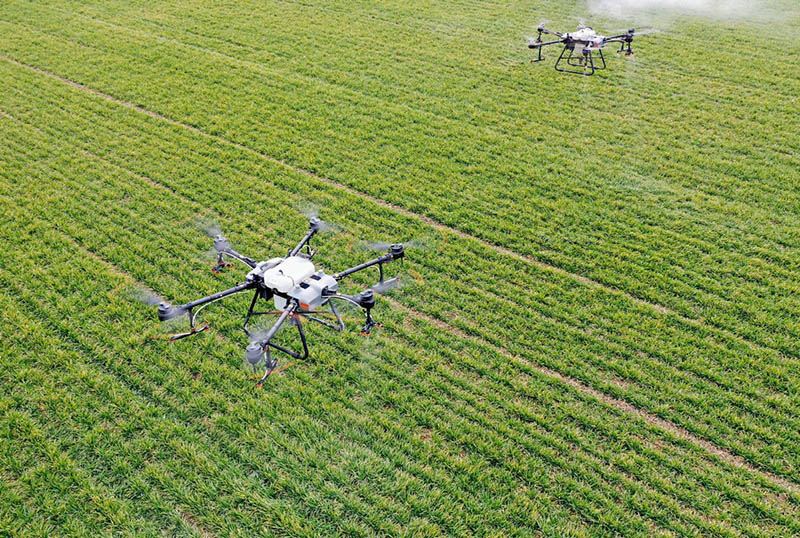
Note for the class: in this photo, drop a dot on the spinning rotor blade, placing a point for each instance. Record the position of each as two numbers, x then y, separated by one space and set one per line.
255 351
417 244
264 325
165 310
631 32
222 246
312 211
374 245
388 285
260 335
213 229
542 24
146 296
542 30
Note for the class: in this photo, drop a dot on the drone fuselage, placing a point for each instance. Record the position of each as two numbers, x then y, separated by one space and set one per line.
294 277
585 38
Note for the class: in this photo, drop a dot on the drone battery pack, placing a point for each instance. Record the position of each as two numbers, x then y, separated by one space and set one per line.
289 273
309 292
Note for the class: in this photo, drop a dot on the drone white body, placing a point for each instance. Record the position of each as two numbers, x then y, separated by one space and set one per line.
296 277
587 37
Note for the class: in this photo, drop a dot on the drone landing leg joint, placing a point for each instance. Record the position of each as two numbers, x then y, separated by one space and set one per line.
338 326
221 265
289 313
370 323
539 57
585 62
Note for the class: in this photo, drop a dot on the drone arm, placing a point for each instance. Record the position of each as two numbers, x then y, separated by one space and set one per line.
219 295
302 242
551 32
265 340
250 262
395 253
544 44
167 311
314 225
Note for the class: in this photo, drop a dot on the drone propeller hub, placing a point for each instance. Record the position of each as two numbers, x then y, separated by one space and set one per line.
397 250
220 243
315 224
165 311
366 299
254 352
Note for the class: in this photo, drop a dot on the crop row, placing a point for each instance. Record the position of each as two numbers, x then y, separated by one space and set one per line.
115 239
283 417
323 66
393 395
597 337
327 41
756 309
483 118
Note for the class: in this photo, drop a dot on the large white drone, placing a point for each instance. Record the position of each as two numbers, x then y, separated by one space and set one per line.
581 46
297 289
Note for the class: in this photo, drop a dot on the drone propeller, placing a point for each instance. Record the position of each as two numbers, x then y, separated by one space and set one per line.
388 285
222 246
166 311
311 211
631 32
213 229
416 244
258 350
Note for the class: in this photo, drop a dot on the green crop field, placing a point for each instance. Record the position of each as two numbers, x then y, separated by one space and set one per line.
601 336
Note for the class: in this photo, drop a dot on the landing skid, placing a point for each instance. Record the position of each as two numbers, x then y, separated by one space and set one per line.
584 61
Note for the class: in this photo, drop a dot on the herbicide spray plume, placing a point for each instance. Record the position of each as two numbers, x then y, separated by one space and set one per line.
656 11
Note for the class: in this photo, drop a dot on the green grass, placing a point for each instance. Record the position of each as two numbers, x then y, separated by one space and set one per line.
652 257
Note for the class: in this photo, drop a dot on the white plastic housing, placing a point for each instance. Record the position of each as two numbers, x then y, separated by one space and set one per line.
288 274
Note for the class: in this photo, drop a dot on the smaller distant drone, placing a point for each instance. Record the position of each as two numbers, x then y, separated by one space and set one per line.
582 45
297 289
